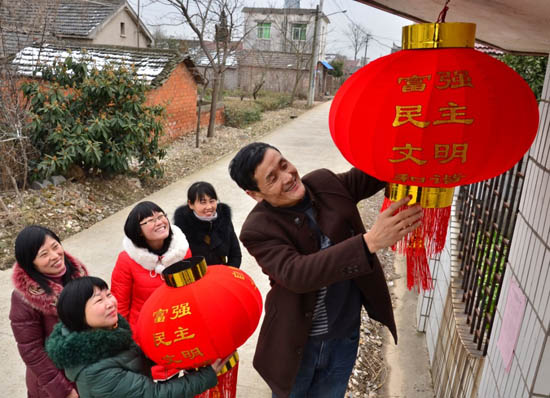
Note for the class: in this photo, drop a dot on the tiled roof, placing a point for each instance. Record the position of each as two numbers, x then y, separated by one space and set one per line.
62 19
488 49
153 66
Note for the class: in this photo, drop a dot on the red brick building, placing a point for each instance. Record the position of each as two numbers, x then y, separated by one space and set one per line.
172 77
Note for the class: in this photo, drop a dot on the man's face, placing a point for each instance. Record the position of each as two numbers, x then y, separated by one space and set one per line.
278 181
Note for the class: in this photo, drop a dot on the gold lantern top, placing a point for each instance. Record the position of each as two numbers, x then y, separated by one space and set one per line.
439 35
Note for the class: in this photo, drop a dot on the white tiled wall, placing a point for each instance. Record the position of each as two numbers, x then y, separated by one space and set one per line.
529 264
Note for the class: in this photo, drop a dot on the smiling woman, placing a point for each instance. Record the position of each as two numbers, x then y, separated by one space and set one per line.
94 346
151 244
43 268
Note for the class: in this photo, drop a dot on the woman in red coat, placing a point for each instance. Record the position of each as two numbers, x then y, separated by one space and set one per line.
42 269
151 244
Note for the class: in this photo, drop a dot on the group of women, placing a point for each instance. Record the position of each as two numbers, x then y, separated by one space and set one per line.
75 335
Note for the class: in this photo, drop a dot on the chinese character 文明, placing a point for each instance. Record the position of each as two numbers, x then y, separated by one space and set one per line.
413 83
159 316
406 151
192 353
452 113
183 334
406 114
459 151
458 78
180 310
160 339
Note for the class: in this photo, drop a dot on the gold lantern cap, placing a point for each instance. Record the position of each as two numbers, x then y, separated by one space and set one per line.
185 272
439 35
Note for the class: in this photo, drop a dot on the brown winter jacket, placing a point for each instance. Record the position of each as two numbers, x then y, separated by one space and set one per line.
33 315
288 252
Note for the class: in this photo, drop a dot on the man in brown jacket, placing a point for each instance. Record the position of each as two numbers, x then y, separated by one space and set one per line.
308 237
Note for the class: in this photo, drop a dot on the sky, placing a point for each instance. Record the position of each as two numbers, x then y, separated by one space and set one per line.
384 27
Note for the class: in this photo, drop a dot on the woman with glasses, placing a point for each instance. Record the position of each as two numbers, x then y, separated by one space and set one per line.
151 244
42 270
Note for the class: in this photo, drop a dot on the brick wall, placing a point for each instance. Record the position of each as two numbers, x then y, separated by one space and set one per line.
178 95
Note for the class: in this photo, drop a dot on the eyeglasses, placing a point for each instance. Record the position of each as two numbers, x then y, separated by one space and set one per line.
154 220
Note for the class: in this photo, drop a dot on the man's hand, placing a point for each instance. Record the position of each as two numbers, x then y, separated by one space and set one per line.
389 228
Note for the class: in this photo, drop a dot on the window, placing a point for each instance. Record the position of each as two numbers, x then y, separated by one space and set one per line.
264 30
122 29
299 31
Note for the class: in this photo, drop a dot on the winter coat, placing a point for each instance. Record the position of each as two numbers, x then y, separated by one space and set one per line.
288 251
107 363
33 314
138 273
215 240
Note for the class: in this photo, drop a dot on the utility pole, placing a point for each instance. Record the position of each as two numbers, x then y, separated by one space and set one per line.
367 38
314 54
138 23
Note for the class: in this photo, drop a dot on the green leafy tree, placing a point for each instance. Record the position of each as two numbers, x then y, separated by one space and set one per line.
338 66
93 118
531 68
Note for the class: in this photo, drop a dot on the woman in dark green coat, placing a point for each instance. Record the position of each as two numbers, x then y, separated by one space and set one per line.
94 345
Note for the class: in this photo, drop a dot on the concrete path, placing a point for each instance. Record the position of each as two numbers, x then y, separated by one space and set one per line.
305 141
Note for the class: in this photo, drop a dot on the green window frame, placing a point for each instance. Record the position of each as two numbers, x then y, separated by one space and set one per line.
299 31
264 30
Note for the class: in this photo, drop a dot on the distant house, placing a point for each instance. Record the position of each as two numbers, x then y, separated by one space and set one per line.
278 47
82 22
172 77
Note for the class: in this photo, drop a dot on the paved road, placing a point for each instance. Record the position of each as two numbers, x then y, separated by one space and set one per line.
305 141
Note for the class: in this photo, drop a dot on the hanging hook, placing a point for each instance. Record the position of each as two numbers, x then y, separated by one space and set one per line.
443 13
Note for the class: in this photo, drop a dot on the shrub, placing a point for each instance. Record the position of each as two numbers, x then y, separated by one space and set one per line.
271 101
241 113
93 118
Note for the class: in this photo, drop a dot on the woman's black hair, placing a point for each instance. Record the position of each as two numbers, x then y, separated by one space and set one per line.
71 305
27 245
132 229
199 189
243 166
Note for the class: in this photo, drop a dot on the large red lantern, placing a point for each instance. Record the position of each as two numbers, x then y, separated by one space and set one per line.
430 117
201 314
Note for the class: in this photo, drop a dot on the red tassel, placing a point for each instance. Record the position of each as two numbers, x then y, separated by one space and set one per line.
226 387
424 243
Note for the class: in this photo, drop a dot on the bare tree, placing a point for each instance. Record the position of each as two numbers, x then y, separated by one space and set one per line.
358 36
22 23
218 20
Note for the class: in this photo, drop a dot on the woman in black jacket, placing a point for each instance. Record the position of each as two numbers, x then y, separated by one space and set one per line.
207 226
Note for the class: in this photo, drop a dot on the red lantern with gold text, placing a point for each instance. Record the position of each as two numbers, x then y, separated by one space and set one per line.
433 116
201 314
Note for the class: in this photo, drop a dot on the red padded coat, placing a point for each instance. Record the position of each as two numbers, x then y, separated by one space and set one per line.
33 315
138 272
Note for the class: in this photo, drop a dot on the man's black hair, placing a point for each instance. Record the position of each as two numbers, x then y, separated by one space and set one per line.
243 166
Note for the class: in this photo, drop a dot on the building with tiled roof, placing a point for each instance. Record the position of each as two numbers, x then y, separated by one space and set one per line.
173 77
87 22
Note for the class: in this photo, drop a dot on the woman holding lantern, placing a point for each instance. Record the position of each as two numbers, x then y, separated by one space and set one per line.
151 244
94 345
